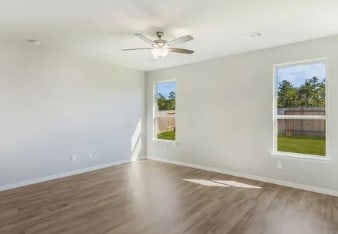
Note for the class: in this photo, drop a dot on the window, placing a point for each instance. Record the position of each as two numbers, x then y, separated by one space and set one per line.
300 108
165 110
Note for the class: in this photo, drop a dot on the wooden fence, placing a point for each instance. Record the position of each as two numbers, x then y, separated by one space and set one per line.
299 127
166 121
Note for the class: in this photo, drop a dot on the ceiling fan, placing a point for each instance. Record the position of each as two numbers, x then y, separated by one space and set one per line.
161 48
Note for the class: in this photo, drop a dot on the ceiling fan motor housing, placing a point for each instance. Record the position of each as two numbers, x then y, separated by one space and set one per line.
160 43
159 34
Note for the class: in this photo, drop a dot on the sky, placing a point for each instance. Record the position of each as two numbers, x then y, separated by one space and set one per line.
166 87
297 74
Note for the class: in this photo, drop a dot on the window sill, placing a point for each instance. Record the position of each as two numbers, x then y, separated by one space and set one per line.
302 157
165 141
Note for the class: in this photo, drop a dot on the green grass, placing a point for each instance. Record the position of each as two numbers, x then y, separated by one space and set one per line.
294 144
166 136
302 145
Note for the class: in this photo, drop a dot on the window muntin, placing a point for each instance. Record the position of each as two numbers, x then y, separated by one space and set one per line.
165 111
300 108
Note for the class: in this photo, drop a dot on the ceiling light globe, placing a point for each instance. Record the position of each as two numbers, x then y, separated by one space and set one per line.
160 52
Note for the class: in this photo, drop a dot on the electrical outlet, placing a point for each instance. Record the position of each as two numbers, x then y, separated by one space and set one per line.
74 158
279 165
165 149
90 155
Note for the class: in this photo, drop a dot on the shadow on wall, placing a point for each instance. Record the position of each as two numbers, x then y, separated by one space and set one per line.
136 142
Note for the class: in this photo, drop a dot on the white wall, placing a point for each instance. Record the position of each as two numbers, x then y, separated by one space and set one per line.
54 105
224 114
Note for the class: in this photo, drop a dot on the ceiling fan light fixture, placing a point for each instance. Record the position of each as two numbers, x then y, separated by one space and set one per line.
161 47
160 52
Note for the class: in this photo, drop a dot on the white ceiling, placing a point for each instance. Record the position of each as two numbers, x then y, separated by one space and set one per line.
99 29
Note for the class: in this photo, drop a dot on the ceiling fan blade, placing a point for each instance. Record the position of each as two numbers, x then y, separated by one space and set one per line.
144 38
182 51
181 40
137 49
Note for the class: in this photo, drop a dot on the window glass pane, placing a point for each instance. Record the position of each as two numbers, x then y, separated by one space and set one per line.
301 136
301 89
166 110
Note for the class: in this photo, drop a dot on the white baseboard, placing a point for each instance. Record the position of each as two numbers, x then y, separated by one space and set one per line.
61 175
252 177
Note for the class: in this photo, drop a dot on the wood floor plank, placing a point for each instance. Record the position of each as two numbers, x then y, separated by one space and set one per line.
153 198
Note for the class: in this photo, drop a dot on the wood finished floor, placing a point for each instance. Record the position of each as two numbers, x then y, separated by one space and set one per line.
149 197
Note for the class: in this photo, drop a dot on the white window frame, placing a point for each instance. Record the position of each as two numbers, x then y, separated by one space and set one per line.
155 111
276 117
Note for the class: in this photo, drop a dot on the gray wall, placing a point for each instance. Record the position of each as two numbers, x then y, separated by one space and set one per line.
241 139
54 105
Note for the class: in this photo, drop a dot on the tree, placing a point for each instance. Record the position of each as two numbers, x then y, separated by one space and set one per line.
309 94
312 93
172 101
161 101
166 103
287 95
321 94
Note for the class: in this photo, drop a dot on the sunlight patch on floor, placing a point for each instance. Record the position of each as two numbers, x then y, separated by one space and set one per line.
222 183
233 183
208 183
